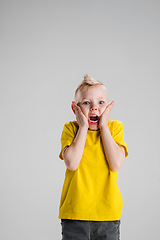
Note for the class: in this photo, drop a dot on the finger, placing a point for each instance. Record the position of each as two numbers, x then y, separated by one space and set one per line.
74 105
110 105
77 109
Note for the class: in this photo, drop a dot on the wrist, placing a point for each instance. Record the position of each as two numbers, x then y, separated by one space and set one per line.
83 128
104 126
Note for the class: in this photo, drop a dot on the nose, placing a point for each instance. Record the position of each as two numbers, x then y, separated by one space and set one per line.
94 108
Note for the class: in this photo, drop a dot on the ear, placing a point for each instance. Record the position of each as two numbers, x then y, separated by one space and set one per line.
72 108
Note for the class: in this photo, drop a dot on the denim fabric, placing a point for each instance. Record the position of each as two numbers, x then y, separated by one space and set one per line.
90 230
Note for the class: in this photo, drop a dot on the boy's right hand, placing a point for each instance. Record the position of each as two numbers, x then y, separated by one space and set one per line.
80 117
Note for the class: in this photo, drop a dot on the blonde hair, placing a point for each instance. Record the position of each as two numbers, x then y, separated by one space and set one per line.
87 83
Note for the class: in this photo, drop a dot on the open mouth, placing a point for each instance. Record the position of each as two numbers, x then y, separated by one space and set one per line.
93 119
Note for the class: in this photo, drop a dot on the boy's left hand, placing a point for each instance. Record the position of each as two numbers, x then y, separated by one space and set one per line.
104 119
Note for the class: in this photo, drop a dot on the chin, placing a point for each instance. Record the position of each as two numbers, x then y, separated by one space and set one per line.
94 128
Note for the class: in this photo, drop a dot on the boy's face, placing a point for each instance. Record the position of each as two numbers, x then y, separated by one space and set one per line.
93 102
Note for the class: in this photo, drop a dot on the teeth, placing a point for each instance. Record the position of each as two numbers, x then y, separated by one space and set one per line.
93 118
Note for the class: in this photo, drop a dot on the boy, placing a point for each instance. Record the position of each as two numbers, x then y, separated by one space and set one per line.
93 150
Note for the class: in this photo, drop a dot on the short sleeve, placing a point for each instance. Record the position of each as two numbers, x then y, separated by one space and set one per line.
118 135
68 135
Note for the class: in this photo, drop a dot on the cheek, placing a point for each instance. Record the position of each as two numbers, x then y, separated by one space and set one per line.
103 109
84 111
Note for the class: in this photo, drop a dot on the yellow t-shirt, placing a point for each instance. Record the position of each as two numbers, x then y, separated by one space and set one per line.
91 192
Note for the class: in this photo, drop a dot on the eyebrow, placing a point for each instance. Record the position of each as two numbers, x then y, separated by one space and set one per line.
87 99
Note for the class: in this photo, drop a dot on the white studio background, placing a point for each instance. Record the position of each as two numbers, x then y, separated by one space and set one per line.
46 47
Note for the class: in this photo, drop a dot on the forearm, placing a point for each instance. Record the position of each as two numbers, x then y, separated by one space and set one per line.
115 154
72 155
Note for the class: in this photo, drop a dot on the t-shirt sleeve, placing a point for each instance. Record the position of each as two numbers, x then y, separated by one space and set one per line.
118 135
67 137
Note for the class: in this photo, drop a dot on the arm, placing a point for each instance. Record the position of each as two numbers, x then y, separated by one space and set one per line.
72 155
115 154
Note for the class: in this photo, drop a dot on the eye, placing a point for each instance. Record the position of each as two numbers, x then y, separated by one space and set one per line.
86 103
101 102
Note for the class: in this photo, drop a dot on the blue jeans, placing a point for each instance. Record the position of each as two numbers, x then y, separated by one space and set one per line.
90 230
